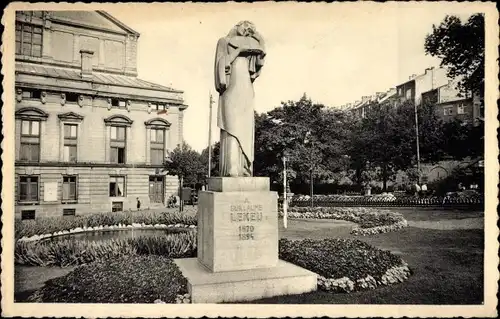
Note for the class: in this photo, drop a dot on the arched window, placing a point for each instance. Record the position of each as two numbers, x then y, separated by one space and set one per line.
70 128
118 125
29 123
157 129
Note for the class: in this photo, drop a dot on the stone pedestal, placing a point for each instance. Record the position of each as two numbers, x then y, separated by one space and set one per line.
238 245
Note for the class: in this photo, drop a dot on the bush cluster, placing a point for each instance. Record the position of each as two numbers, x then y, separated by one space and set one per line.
71 252
369 220
127 279
50 225
345 265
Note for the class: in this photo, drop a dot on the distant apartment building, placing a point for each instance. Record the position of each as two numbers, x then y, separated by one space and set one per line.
90 135
450 104
412 89
361 108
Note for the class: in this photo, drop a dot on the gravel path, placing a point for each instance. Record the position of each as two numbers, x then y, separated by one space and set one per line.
450 224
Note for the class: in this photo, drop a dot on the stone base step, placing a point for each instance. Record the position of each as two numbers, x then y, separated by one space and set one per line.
232 286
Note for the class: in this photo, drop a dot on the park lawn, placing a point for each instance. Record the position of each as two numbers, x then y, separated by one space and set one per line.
447 264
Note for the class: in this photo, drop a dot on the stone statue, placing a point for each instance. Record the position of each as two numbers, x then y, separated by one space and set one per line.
238 62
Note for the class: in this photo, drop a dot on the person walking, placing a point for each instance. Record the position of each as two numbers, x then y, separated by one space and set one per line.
138 204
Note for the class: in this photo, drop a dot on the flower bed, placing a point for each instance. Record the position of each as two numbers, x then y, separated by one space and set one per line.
76 252
345 265
370 221
40 228
127 279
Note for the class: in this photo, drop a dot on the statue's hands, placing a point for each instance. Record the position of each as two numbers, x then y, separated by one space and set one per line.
237 51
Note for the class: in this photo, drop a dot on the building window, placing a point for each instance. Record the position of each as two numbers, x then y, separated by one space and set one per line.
30 141
27 214
31 94
117 186
118 103
408 94
69 191
157 146
461 108
28 39
117 207
70 142
71 97
156 189
69 212
448 111
28 189
118 142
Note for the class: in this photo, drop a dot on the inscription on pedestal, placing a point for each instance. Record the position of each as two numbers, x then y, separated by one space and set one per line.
246 212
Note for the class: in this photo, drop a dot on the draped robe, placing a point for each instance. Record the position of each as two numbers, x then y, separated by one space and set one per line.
236 108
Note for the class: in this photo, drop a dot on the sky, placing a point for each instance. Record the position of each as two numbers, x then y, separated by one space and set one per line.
334 52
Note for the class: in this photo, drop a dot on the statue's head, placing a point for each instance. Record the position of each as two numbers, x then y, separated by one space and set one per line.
243 28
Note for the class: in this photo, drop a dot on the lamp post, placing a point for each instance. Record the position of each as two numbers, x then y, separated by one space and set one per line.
418 144
306 141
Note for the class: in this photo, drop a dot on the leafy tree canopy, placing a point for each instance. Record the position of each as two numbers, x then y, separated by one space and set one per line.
460 46
186 162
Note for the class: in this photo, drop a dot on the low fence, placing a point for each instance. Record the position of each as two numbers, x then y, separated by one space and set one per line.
466 203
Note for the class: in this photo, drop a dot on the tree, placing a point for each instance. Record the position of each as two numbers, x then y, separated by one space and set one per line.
184 162
460 46
283 131
431 134
463 139
385 141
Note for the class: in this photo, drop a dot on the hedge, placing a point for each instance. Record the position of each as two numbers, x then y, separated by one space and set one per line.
51 225
387 201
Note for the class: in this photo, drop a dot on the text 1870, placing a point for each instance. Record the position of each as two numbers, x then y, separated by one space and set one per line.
246 232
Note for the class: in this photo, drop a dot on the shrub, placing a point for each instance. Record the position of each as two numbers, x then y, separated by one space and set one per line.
344 264
128 279
181 245
70 252
49 225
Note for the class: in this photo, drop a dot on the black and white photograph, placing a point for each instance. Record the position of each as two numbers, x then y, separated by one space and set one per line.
261 159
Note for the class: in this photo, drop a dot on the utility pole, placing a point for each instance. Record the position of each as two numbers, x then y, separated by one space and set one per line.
418 144
210 136
285 204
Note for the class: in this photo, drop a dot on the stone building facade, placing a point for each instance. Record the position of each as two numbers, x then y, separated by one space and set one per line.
90 135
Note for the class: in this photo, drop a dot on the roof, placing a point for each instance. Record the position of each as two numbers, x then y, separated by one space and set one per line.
118 22
389 94
98 78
